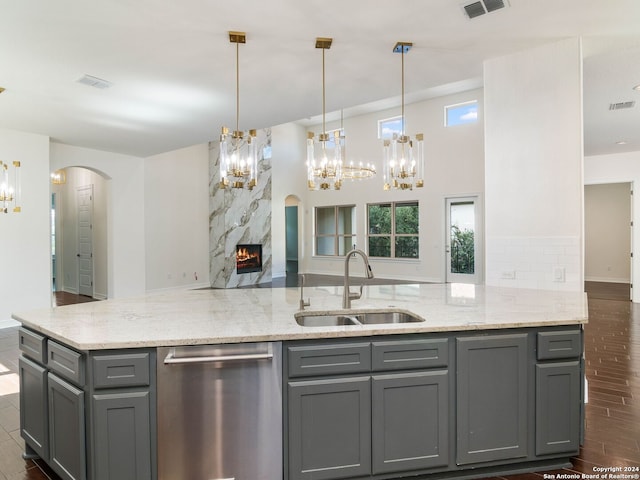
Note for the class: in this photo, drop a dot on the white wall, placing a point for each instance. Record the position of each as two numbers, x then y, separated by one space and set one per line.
616 168
288 148
607 218
67 231
176 218
25 252
125 212
454 159
533 168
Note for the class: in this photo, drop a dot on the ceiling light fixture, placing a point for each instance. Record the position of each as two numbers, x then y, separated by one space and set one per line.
637 87
10 188
324 173
238 152
59 177
403 158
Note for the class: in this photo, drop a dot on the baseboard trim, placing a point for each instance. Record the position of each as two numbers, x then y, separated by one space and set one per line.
607 280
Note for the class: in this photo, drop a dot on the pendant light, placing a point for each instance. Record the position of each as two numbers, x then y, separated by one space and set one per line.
238 151
324 172
10 187
403 158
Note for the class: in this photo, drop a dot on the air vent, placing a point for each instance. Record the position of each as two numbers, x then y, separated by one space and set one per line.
482 7
94 81
622 105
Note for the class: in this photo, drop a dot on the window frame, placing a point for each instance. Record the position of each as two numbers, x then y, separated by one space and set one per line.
393 235
385 120
447 108
336 234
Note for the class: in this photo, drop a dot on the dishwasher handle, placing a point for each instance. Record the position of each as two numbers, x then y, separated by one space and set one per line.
172 359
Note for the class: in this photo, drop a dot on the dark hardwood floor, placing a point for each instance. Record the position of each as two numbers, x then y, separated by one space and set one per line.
64 298
612 352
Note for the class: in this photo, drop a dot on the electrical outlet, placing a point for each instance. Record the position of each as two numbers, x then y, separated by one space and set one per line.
509 274
558 274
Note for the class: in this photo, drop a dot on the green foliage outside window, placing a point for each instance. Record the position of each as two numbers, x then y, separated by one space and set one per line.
393 230
462 250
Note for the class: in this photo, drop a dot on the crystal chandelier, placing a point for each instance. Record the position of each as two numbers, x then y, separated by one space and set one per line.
10 189
403 161
326 171
238 152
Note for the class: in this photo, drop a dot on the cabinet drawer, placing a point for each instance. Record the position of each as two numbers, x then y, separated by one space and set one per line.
330 359
66 362
410 354
121 370
33 345
561 344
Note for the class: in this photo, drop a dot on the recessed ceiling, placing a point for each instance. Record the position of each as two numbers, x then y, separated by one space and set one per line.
172 69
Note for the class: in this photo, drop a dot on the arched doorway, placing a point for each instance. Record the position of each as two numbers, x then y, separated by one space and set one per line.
79 232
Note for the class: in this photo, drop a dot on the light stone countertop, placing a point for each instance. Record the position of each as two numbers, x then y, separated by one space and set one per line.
210 316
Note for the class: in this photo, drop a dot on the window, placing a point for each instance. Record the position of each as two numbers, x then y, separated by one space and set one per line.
461 113
393 230
389 126
335 230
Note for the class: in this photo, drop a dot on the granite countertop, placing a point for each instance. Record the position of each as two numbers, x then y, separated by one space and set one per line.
210 316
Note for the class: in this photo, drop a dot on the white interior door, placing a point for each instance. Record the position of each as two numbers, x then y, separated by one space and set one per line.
463 240
85 240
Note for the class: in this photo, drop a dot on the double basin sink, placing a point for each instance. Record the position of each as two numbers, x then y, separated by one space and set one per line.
311 319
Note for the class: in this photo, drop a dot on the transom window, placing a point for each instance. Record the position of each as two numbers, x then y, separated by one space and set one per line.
461 113
335 230
393 230
389 126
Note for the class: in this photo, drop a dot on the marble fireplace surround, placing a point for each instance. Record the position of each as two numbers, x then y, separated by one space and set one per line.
239 216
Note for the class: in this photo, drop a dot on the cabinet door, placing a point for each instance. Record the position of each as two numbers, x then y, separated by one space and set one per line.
410 421
557 407
66 429
122 437
329 428
33 407
491 398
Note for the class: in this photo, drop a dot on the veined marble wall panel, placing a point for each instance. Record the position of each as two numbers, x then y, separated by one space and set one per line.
239 216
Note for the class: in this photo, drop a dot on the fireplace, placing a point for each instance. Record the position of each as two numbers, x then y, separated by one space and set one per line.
248 258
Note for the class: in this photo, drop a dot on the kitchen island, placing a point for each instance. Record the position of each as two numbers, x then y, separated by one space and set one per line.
488 382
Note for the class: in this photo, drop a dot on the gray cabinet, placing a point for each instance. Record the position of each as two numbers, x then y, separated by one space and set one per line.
557 407
492 398
410 426
367 408
88 415
558 391
122 446
34 417
329 428
122 415
66 429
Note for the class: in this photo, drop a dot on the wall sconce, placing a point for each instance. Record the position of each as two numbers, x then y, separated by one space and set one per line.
59 177
10 189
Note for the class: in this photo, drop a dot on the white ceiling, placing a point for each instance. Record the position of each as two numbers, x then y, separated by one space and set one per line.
173 68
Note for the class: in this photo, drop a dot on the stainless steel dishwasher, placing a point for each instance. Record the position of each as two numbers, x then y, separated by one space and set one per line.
220 412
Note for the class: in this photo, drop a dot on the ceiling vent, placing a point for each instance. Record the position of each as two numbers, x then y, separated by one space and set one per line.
622 105
94 82
481 7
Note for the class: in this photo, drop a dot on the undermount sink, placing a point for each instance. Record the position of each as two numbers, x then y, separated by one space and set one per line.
387 317
312 320
369 318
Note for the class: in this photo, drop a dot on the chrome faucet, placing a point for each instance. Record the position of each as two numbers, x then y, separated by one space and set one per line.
303 303
347 295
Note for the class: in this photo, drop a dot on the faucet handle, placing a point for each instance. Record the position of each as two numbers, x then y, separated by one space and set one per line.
356 295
